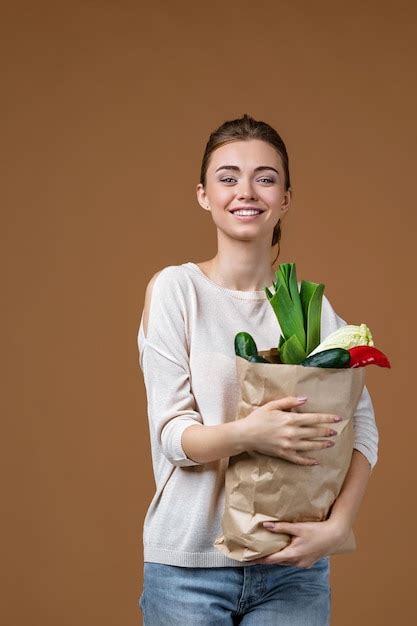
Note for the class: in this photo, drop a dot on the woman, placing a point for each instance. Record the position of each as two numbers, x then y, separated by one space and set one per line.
186 344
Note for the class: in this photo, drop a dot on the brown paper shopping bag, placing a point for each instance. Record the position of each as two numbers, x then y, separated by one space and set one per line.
260 487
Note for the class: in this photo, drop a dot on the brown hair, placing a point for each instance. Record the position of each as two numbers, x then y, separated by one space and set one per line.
244 128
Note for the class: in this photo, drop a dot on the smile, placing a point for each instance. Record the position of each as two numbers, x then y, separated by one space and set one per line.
246 216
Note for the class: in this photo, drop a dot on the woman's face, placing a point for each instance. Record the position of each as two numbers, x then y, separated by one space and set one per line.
242 174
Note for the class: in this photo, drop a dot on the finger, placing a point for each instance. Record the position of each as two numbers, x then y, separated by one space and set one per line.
276 557
316 418
289 528
300 460
313 445
310 433
270 559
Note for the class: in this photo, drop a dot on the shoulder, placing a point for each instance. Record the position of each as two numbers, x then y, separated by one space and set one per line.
168 284
165 278
162 290
151 284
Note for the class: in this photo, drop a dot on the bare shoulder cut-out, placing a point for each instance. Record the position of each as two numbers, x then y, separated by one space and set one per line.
147 304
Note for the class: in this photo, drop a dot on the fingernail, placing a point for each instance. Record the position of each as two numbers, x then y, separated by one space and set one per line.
268 525
301 398
338 418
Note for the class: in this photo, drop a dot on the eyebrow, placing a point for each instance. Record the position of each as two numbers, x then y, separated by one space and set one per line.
237 169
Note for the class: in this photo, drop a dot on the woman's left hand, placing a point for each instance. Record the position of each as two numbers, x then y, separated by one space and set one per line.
311 541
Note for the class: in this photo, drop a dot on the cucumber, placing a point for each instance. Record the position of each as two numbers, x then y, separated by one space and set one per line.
334 357
245 347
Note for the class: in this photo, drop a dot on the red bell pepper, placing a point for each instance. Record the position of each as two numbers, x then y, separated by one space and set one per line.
367 355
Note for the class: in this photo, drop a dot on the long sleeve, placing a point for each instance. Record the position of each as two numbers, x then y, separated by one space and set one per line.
366 436
164 361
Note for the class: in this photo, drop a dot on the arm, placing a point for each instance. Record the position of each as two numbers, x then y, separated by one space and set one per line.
164 361
210 443
365 450
365 447
346 506
173 417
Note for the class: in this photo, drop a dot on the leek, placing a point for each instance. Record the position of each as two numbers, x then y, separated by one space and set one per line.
298 312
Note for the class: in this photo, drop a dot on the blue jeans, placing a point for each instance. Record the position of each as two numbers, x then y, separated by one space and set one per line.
261 595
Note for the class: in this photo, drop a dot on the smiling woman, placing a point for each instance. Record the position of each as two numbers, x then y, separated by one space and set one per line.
186 337
257 157
245 185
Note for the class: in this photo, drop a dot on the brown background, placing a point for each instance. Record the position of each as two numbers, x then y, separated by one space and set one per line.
107 107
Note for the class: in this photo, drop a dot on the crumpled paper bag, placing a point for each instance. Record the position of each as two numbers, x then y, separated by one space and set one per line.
260 487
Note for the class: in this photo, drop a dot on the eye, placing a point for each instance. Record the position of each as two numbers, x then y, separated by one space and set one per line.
229 178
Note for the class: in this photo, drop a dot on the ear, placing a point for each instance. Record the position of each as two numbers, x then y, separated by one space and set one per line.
202 197
286 203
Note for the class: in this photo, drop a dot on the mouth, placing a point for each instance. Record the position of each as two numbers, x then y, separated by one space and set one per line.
247 214
247 209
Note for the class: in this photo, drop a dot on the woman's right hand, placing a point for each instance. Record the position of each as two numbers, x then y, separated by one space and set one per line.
274 430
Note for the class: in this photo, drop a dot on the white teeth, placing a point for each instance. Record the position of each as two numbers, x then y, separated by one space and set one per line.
247 212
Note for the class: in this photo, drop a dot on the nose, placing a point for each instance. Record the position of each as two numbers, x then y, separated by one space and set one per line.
245 190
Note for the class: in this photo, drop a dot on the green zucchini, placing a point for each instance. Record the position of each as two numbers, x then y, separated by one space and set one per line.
245 347
334 357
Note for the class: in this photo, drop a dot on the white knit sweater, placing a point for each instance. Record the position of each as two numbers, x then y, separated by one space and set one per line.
188 365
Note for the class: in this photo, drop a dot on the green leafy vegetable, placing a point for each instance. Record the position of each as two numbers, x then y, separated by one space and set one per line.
298 313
